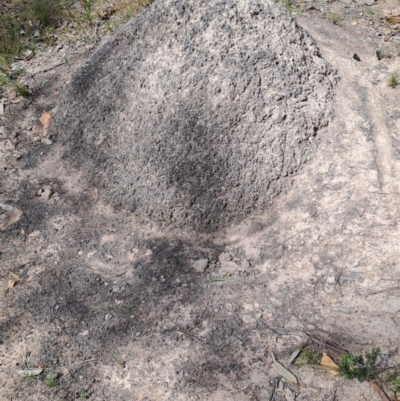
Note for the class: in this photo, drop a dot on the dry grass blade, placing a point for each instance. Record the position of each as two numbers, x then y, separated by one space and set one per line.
283 371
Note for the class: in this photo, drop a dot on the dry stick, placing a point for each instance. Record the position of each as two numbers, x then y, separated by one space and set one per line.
80 363
143 338
276 382
379 390
386 289
191 335
331 346
275 330
48 69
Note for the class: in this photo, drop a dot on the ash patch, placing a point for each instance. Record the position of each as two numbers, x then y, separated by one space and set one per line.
196 112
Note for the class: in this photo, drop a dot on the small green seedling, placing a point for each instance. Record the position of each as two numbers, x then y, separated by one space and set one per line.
28 377
83 394
3 80
309 355
393 80
359 367
398 51
287 4
334 18
21 90
51 379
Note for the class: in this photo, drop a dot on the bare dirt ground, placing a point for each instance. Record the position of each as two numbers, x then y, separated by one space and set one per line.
121 311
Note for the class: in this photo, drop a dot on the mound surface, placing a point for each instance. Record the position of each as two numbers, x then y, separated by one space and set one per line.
196 110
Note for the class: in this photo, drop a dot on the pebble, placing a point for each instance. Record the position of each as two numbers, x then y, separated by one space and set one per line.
46 192
228 268
199 265
149 252
244 264
289 394
224 257
331 280
107 317
46 141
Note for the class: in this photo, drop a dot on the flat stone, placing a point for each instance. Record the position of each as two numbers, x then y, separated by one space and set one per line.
244 265
228 268
224 257
199 265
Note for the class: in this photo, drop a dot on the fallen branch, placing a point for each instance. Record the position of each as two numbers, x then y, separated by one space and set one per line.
379 390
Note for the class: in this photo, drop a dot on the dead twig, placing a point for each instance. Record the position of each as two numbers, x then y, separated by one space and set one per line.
193 336
381 291
81 363
337 280
328 344
276 330
48 69
143 338
274 386
379 390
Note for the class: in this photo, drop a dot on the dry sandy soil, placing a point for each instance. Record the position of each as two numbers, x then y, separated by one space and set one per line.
120 311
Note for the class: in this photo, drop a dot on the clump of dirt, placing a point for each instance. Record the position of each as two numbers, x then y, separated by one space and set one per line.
196 111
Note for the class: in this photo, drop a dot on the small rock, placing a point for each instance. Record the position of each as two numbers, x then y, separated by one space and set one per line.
369 2
12 95
355 56
199 265
84 333
107 317
46 192
149 252
224 257
46 141
244 265
289 394
1 109
331 280
228 268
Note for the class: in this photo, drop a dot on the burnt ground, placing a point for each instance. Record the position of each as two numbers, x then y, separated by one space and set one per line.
117 309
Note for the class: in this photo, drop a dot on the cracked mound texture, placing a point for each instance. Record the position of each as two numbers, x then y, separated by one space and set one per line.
196 110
